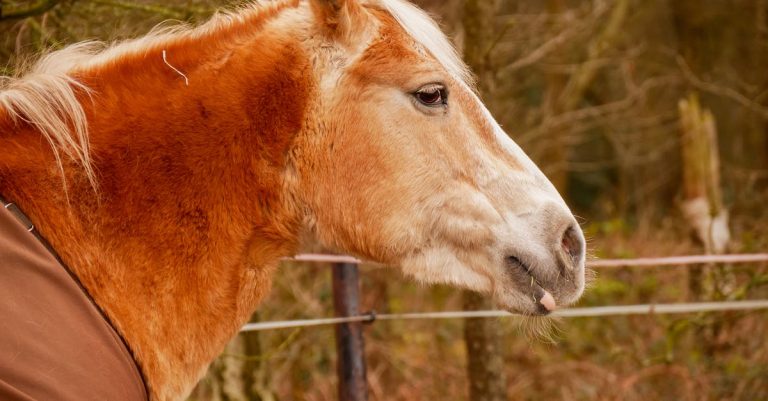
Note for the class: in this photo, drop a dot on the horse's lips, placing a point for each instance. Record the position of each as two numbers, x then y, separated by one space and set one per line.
544 301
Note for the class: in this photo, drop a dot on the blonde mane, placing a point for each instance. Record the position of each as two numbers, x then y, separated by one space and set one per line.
45 95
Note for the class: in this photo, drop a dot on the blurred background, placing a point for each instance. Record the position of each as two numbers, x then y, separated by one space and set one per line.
650 116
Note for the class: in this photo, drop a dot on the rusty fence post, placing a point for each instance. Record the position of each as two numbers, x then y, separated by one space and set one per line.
350 367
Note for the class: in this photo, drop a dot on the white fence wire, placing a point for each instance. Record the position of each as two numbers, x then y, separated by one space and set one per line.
660 261
619 310
616 310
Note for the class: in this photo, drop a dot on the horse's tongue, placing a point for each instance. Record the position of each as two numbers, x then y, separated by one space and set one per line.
548 301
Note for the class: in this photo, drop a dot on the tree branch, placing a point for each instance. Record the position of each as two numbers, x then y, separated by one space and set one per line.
583 77
572 117
150 8
29 9
718 90
552 44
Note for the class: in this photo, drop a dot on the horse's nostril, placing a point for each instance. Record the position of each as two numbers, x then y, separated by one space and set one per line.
573 245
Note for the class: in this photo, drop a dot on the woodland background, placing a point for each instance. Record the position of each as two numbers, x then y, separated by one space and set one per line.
602 94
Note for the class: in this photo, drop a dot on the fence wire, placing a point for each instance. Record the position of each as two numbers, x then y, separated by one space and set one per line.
616 310
660 261
619 310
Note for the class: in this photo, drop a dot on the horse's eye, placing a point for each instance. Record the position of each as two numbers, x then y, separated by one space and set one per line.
432 95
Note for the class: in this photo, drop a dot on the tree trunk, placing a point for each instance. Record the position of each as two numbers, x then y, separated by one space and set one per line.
483 339
702 196
485 359
704 209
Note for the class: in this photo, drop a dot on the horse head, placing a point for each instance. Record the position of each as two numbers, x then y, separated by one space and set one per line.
401 163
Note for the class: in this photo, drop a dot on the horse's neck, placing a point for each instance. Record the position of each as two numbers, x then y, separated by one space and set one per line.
190 219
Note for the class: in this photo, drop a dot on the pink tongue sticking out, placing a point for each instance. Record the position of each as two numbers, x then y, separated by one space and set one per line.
548 301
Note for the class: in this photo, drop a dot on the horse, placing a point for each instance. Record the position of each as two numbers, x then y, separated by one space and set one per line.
172 173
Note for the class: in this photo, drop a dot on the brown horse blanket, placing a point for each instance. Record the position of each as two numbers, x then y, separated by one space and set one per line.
54 343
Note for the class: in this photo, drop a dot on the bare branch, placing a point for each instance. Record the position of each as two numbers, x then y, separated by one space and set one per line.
19 11
575 116
150 8
542 51
583 77
719 90
550 45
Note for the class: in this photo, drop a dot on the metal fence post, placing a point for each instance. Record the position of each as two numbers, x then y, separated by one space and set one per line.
349 336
